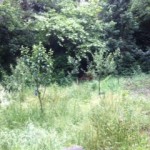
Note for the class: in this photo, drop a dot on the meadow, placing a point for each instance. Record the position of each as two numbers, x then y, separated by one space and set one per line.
118 119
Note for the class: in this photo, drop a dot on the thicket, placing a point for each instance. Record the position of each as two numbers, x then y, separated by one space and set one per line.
72 29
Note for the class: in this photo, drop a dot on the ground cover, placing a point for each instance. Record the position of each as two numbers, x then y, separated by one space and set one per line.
118 119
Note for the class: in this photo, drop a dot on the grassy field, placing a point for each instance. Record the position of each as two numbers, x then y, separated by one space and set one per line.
119 119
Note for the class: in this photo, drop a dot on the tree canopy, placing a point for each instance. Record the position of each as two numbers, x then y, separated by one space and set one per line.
77 29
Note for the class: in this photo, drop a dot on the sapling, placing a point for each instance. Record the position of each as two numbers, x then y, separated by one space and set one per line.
104 64
40 64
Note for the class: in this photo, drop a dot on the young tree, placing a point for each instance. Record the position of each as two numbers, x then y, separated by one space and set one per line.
40 64
104 64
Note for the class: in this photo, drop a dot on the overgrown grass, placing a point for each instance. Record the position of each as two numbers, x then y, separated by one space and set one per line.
77 115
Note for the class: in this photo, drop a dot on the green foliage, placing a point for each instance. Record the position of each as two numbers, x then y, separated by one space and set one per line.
141 11
10 16
141 8
75 115
111 35
20 77
40 65
10 19
116 125
18 81
14 32
120 27
74 31
104 63
75 66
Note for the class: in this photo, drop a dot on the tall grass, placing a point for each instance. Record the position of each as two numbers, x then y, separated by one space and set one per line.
115 123
77 115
